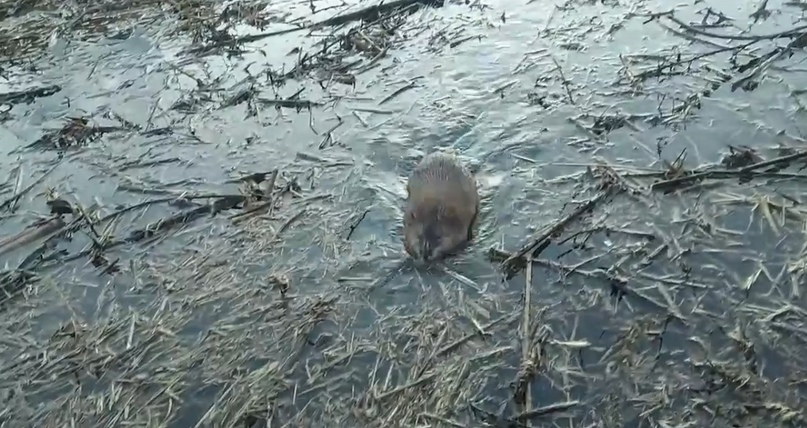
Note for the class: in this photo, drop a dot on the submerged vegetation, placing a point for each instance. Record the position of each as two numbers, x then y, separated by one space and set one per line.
200 214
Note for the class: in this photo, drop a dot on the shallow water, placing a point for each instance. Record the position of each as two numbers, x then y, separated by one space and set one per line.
473 98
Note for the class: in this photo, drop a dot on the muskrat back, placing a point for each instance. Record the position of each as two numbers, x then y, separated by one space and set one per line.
441 207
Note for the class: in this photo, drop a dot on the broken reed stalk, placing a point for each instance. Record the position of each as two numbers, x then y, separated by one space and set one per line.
517 261
745 171
30 235
14 198
268 205
526 344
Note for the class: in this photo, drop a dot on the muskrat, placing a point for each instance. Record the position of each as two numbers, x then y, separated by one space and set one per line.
441 207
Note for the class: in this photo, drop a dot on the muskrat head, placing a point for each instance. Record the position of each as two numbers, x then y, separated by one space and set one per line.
430 234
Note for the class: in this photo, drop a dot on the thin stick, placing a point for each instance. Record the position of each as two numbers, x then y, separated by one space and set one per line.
13 199
526 344
748 170
542 241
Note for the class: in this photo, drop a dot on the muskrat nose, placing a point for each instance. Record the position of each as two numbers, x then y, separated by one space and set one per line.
430 243
426 250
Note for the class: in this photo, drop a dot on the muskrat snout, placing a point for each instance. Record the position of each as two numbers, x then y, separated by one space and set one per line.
420 240
430 242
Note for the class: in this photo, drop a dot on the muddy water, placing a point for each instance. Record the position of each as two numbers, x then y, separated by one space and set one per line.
478 98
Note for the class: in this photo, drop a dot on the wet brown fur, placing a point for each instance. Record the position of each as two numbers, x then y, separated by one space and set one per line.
441 208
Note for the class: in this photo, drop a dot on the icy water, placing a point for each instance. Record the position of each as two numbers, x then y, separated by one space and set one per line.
510 86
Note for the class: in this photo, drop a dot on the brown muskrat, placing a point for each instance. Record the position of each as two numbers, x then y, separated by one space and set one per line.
441 207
